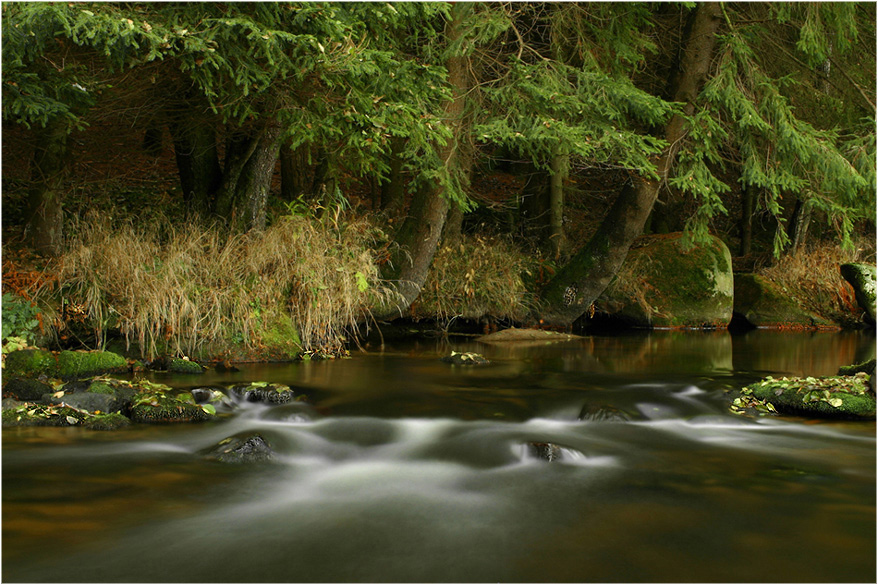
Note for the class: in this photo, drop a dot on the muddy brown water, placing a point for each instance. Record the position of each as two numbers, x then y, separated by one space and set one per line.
404 468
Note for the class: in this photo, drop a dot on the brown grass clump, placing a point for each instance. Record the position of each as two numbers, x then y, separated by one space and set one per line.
475 278
298 285
811 276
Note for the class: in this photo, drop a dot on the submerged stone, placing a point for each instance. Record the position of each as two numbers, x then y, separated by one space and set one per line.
862 278
664 284
599 413
241 449
514 334
465 359
762 304
545 451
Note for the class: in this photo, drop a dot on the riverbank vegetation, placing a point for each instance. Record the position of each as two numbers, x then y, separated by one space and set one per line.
261 181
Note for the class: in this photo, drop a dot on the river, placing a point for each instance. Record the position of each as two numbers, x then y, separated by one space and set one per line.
399 467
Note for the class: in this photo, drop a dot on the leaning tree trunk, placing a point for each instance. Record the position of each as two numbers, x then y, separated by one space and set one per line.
558 168
576 286
418 236
48 168
392 188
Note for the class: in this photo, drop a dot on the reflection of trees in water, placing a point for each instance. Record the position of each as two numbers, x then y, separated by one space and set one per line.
818 353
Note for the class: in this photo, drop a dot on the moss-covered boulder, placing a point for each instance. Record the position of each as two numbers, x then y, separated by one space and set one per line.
763 304
841 397
862 278
263 392
664 284
29 363
157 404
184 366
73 365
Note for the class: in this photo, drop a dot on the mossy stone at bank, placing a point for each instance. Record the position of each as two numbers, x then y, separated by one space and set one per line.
862 278
30 363
83 364
663 283
763 304
837 397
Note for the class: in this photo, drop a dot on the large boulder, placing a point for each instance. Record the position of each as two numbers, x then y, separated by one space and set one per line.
663 284
763 304
862 277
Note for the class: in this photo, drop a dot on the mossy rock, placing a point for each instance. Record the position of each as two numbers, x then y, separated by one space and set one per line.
241 449
837 397
264 392
31 414
862 278
30 363
107 422
158 404
181 366
765 305
664 284
26 389
82 364
465 359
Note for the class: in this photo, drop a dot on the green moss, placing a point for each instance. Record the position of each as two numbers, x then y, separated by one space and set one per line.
107 422
157 404
281 336
866 367
828 397
100 387
30 363
82 364
181 366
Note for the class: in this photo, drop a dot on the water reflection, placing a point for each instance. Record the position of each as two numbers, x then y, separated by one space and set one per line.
403 468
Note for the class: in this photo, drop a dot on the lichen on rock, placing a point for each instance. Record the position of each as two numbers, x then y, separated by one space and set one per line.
862 277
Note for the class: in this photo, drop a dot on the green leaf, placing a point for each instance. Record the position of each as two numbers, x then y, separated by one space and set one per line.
362 283
208 408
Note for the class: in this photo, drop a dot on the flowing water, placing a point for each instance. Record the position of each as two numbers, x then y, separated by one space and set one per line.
402 468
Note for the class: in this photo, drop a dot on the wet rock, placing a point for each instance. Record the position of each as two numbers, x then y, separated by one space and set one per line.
545 451
835 397
30 363
465 359
862 278
599 413
664 284
867 368
157 404
75 365
241 450
762 304
87 401
263 392
26 389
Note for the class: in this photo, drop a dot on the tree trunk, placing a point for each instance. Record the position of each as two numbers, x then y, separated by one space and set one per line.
557 240
576 286
250 163
392 188
748 205
293 172
45 227
533 211
418 236
197 161
797 231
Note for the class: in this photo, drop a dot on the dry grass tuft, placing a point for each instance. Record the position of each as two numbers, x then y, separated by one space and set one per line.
476 278
812 277
301 283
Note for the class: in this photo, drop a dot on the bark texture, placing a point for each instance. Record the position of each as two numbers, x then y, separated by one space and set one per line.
576 286
48 169
418 236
